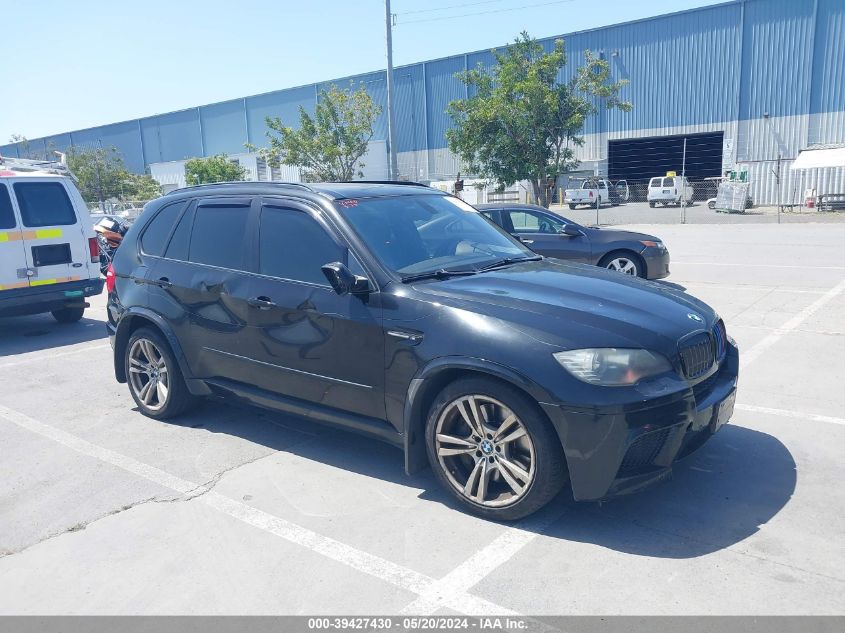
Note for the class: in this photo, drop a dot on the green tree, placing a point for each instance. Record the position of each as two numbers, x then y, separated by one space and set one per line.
521 123
141 187
213 169
22 143
100 173
329 145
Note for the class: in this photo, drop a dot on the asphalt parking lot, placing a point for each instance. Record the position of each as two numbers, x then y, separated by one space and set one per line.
231 511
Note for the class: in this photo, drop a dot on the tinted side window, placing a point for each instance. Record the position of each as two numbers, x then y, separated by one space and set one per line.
668 182
7 216
655 182
181 239
158 230
292 245
218 236
44 204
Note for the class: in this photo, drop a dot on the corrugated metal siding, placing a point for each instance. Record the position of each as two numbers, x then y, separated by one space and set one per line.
441 88
828 93
123 136
223 127
283 104
173 136
376 86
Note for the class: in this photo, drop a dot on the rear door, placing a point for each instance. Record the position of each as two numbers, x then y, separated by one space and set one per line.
541 233
13 262
53 237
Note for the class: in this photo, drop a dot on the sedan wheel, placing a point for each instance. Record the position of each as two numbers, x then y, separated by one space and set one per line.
485 451
149 377
623 265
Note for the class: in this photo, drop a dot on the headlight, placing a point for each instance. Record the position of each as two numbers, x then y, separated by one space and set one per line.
612 367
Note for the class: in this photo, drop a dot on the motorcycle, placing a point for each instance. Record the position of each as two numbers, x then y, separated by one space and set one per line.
110 232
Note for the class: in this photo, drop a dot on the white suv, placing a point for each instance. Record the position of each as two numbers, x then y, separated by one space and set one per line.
49 257
669 190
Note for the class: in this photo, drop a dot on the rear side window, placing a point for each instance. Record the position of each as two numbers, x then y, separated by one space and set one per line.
655 182
293 245
218 235
181 240
7 216
157 232
44 204
668 182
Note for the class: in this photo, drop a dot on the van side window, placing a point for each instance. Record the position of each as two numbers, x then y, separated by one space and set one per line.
155 235
218 235
293 245
669 182
44 204
7 216
655 182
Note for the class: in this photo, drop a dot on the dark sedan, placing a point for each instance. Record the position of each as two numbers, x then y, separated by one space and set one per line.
553 235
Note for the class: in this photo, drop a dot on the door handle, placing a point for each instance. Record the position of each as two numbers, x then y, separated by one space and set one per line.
262 303
163 282
524 241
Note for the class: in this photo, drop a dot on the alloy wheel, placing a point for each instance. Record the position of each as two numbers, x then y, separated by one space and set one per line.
485 451
149 377
623 265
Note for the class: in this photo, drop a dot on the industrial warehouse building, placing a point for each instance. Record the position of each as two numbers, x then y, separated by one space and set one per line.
744 82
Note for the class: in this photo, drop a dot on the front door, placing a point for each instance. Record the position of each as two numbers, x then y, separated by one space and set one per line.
13 261
53 237
310 343
541 233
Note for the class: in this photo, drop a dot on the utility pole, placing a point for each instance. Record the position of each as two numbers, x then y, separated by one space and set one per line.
392 168
684 184
777 182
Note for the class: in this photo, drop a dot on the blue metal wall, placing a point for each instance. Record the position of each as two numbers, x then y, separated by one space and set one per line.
714 65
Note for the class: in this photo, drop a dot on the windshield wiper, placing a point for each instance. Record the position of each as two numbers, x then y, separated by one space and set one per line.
507 261
438 274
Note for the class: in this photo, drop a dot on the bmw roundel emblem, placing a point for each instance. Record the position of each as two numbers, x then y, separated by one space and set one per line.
694 317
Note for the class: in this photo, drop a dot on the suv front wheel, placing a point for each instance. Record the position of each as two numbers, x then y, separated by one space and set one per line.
155 380
493 450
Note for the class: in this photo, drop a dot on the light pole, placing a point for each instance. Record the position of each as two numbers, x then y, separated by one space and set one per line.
392 167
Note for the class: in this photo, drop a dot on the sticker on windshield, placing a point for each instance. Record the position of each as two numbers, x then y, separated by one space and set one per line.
348 204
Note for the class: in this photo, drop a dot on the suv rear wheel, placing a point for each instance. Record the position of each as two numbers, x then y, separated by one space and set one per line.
493 450
155 380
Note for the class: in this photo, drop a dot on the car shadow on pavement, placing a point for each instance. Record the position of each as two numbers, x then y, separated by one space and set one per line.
19 335
716 498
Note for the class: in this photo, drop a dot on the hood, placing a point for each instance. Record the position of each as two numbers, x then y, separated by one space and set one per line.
573 305
601 235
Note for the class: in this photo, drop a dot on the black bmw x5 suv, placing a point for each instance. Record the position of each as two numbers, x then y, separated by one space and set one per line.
401 312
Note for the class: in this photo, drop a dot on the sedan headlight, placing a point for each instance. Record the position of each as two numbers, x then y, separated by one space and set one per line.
611 366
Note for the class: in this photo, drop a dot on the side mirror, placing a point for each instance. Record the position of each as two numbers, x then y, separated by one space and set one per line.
568 229
343 281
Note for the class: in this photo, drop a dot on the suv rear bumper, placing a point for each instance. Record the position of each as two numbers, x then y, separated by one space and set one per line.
38 299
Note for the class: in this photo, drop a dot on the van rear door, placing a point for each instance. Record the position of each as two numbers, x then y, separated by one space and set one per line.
53 237
13 262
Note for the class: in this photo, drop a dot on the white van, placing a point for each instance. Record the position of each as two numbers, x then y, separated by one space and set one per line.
49 257
668 190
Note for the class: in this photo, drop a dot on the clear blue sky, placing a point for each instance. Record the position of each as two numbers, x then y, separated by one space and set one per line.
102 61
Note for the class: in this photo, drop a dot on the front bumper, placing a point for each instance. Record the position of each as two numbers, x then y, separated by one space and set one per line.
613 452
656 262
40 299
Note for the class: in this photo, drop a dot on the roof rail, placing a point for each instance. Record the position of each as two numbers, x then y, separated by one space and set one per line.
58 167
386 182
241 182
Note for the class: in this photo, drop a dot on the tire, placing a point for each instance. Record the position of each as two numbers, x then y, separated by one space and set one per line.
711 205
651 204
625 262
68 315
572 206
176 398
536 468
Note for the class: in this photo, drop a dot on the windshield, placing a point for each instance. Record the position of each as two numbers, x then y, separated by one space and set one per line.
429 232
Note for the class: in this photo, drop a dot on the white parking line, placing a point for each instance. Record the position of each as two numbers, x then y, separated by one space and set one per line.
50 356
380 568
750 355
798 415
482 563
751 265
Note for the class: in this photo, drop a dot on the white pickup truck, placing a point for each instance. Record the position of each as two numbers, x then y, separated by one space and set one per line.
591 191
